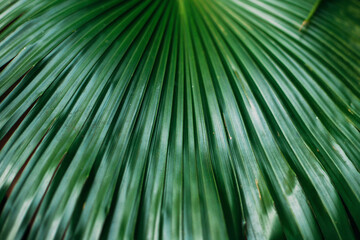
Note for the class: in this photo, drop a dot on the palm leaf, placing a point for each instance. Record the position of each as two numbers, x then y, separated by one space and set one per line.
179 119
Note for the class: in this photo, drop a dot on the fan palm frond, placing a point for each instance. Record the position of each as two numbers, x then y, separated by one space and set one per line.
178 119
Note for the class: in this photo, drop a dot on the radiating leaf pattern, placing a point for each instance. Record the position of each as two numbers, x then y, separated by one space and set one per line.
188 119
